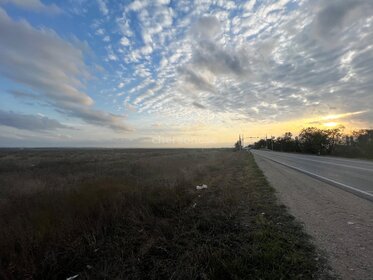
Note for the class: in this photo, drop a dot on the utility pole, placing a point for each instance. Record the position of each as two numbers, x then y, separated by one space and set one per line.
272 141
266 142
242 139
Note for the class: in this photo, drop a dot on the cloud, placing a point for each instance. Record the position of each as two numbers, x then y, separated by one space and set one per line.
42 61
199 82
262 62
336 15
137 5
96 117
198 105
51 68
22 94
218 59
124 41
33 5
103 7
344 115
29 122
206 28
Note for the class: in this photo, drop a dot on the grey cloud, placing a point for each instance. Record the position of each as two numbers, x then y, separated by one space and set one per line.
41 60
206 28
22 94
29 122
219 60
209 60
52 69
198 105
198 81
209 54
34 5
96 117
337 14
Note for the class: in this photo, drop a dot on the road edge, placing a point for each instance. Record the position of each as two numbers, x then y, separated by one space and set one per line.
331 182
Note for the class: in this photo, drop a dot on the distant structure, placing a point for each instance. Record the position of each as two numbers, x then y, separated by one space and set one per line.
239 145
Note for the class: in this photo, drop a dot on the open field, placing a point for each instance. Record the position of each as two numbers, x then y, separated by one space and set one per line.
135 214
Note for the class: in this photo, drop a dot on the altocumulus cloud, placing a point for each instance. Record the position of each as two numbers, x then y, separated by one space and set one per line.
261 60
52 68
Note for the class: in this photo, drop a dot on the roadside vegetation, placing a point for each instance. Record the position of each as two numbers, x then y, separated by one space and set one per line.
323 141
136 214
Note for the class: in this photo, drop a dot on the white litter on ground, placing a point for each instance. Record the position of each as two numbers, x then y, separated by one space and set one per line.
72 277
201 187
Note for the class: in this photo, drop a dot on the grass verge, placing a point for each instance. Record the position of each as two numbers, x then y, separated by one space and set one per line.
149 222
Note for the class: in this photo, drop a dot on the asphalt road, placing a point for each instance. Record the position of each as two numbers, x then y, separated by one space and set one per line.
352 175
339 221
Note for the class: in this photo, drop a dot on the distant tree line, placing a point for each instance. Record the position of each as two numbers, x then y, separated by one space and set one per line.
323 142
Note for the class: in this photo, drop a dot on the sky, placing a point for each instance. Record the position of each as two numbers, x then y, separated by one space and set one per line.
181 73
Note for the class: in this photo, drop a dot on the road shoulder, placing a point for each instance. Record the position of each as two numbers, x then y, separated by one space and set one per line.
340 222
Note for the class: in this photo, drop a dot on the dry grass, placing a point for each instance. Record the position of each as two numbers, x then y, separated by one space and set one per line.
135 214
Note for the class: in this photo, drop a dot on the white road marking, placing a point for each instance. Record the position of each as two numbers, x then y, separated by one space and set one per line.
330 163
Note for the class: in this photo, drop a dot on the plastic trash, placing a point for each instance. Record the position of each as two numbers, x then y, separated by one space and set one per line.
201 187
72 277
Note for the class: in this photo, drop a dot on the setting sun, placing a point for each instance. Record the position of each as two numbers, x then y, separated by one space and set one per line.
330 124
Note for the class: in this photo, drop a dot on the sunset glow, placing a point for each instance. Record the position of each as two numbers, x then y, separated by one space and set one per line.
331 124
180 73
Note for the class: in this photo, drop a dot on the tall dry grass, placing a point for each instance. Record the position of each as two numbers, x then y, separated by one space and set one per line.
124 214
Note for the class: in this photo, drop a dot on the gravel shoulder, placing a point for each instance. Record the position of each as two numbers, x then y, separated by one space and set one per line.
340 223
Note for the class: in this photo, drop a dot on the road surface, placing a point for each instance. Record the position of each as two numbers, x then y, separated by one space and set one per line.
339 219
351 175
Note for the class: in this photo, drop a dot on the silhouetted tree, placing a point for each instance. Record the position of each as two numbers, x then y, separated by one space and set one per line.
313 140
318 141
364 141
238 146
364 136
334 137
260 144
